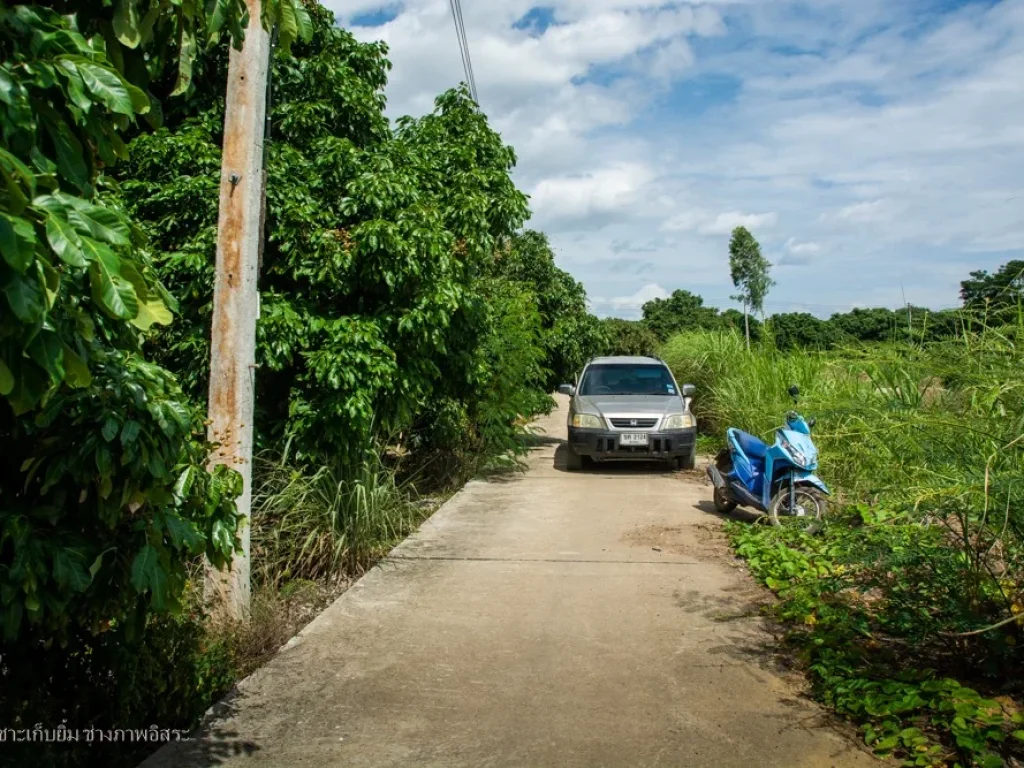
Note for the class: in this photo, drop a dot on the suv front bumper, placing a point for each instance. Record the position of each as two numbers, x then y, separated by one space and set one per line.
601 444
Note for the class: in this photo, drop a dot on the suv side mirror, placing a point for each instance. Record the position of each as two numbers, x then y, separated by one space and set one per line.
689 390
567 389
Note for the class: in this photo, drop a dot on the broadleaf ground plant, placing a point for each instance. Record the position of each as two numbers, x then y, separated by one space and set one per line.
907 610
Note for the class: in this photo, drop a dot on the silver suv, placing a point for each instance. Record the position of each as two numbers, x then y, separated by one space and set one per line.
624 408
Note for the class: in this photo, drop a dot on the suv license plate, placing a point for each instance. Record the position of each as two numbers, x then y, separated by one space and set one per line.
632 439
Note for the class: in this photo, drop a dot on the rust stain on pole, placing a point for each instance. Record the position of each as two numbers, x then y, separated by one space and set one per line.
235 296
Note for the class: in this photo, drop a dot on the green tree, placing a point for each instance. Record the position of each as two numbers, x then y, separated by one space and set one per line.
998 295
629 337
571 334
682 311
375 303
735 320
871 325
802 330
103 494
750 274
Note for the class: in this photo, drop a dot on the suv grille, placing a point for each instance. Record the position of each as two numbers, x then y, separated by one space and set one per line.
633 423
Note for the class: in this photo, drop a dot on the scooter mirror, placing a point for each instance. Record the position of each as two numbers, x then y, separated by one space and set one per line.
794 391
812 422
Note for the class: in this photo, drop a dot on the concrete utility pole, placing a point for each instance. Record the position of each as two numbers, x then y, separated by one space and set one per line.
235 295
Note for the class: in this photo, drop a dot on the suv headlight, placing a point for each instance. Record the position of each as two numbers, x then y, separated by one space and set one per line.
680 421
587 421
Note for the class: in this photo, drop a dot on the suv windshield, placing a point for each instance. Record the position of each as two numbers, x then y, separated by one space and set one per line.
618 379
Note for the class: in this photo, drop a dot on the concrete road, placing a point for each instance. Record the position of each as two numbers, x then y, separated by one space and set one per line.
546 619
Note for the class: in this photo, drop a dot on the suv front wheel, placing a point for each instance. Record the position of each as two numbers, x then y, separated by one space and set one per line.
573 461
686 461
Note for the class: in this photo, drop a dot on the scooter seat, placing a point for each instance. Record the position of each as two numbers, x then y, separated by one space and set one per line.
753 447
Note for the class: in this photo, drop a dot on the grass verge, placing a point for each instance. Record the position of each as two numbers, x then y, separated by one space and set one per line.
908 611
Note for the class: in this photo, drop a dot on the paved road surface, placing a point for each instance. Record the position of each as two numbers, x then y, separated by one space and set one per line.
549 619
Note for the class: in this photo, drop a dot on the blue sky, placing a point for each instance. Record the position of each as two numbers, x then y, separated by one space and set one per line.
873 147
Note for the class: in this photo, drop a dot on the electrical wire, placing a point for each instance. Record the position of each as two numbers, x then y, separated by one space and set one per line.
467 62
469 59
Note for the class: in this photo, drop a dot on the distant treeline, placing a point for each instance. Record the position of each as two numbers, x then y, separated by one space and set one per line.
989 298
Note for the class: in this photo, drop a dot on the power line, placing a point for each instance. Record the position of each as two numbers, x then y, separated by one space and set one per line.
467 62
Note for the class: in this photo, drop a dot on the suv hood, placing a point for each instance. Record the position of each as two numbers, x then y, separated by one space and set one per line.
655 405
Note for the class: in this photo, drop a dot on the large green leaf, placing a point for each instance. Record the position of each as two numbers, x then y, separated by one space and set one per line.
71 156
188 48
76 370
105 84
183 533
223 538
76 85
17 241
65 241
26 296
47 351
90 219
112 292
126 23
68 571
293 22
9 87
217 12
148 574
152 311
20 181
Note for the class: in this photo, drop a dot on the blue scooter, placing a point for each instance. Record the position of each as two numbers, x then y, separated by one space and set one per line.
778 480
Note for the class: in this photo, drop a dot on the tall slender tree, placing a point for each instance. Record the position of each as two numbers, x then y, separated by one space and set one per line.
749 270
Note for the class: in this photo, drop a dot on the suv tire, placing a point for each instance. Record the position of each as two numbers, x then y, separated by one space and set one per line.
573 461
689 461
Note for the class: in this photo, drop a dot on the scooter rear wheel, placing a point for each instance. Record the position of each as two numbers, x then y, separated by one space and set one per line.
723 503
808 512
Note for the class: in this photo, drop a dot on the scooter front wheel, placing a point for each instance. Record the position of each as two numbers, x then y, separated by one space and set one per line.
800 507
723 503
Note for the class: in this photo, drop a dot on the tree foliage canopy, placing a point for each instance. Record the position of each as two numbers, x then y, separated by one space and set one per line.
682 311
104 490
380 309
749 270
571 335
1000 293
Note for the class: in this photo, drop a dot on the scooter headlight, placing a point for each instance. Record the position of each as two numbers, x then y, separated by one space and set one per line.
799 457
680 421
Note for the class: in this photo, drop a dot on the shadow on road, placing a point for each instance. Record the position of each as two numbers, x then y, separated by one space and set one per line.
609 469
211 744
740 514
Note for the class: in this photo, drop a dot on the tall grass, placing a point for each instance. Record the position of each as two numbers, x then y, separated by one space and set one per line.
326 522
932 434
907 422
918 583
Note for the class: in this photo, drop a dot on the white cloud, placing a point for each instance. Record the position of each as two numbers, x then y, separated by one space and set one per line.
629 305
819 119
802 249
709 223
603 191
862 213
